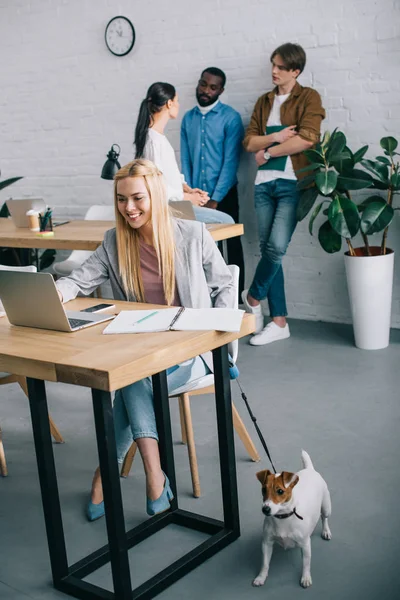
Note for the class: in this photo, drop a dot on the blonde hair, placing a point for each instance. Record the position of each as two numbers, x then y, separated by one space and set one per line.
128 247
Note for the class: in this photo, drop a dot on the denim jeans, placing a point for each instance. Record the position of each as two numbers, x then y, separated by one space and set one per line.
211 215
134 409
275 203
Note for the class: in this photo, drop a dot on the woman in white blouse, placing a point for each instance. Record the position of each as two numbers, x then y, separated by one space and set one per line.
160 105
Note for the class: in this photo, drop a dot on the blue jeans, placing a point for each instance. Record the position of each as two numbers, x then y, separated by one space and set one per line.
211 215
134 409
275 203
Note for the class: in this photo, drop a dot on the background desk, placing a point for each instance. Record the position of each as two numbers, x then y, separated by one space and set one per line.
105 364
85 235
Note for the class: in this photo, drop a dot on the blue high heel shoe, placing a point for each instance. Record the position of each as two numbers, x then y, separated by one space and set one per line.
94 511
161 504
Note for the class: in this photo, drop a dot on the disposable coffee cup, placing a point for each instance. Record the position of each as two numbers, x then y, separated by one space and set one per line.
33 220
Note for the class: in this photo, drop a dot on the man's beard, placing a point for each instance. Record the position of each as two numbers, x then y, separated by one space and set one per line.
205 101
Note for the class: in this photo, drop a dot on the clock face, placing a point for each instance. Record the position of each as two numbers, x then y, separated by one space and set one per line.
120 36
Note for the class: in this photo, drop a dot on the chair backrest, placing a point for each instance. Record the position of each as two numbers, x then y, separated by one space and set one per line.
30 268
233 347
100 212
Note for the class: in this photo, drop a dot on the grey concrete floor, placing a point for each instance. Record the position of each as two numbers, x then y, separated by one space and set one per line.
314 391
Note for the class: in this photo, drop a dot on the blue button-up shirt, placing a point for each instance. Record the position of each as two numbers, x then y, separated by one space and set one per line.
210 149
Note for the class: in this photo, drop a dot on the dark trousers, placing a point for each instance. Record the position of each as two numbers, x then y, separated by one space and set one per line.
230 205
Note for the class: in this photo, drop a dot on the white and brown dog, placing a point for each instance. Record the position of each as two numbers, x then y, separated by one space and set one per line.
292 504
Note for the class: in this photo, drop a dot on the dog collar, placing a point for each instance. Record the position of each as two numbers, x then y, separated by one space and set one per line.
286 515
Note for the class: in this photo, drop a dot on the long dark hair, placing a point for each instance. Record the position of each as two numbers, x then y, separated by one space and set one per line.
157 97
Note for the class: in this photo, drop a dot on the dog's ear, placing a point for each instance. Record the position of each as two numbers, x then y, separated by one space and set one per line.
289 479
262 476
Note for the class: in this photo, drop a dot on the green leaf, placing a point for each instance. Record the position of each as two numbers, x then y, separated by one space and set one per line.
311 167
330 241
344 162
343 216
389 144
355 180
326 181
395 180
384 160
363 205
376 217
376 168
360 154
314 156
315 214
306 202
336 145
47 259
4 212
305 182
325 139
7 182
379 185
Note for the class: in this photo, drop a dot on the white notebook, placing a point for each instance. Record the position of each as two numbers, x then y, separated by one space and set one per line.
176 319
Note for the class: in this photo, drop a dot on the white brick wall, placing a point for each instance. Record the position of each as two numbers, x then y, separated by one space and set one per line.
64 99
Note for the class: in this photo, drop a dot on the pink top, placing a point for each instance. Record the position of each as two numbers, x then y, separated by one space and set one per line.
152 282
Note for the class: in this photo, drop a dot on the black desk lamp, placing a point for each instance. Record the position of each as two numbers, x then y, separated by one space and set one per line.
111 166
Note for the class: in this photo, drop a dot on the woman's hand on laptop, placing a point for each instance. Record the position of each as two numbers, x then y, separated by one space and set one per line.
60 295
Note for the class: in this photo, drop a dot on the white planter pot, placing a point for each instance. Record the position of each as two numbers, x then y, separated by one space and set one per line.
370 282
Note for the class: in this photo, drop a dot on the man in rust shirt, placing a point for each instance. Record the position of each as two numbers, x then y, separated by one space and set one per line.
284 122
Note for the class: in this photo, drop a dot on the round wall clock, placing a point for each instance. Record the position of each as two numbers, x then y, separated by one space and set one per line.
120 36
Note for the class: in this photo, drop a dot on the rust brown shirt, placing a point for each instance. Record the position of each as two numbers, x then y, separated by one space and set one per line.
303 108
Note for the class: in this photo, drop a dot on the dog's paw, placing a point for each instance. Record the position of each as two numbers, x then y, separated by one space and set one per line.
258 581
326 534
306 581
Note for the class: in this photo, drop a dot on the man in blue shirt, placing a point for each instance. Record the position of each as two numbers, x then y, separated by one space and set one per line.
211 136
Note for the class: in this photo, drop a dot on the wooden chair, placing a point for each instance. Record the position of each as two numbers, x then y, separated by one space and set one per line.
205 385
5 378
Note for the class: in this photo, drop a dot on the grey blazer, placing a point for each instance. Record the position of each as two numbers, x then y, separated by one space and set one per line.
202 277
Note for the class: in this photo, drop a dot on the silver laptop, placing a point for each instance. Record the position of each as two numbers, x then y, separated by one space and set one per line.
182 209
31 300
18 208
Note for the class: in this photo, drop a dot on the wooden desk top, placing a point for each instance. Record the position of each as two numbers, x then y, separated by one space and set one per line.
106 362
84 235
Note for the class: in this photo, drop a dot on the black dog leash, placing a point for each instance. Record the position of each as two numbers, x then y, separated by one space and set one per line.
252 417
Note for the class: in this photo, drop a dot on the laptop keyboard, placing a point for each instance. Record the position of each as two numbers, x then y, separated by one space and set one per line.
77 322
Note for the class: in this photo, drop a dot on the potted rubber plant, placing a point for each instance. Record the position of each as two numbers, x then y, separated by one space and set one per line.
334 175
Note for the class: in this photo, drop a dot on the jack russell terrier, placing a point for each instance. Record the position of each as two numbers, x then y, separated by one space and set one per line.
292 504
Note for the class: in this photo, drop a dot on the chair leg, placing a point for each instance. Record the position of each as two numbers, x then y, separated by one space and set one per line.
22 382
244 435
3 463
182 420
58 438
128 460
194 471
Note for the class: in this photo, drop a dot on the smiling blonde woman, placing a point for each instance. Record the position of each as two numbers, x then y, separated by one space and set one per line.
151 257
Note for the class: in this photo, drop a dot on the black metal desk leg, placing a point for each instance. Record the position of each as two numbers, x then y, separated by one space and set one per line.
48 479
104 422
163 421
225 439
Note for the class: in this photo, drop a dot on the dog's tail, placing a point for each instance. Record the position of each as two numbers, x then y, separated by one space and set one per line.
307 462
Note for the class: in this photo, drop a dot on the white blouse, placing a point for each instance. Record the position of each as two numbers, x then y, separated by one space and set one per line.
161 153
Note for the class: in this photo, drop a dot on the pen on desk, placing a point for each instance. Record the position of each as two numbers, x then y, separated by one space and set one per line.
146 317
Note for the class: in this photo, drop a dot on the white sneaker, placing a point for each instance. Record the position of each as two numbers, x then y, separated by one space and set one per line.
271 333
254 310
